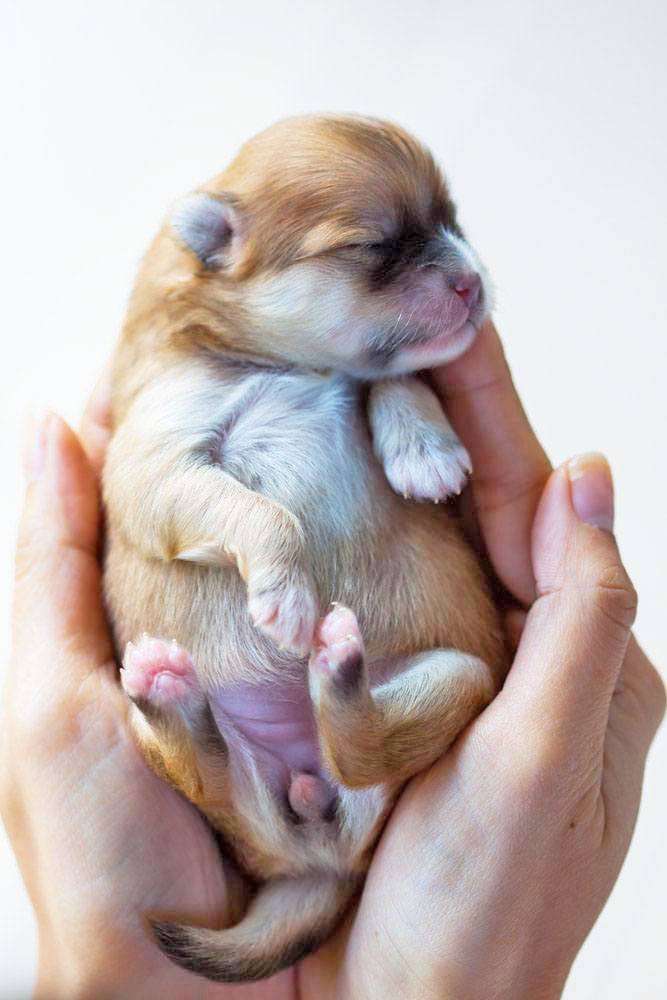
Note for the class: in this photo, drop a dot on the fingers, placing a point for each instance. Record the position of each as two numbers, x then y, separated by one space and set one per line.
510 467
575 637
95 430
57 601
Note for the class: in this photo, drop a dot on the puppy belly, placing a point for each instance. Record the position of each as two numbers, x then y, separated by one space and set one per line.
276 723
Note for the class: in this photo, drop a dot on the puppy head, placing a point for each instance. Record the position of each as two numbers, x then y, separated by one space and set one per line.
336 242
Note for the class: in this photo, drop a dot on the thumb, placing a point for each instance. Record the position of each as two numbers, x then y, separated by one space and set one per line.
57 597
576 633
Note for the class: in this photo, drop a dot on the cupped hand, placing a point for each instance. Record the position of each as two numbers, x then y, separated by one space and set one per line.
99 839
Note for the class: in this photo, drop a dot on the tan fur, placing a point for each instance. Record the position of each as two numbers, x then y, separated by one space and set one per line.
191 547
404 725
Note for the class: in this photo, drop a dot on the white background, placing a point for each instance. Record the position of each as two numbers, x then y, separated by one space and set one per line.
549 118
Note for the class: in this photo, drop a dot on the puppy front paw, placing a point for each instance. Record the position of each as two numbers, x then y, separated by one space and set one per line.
286 609
432 467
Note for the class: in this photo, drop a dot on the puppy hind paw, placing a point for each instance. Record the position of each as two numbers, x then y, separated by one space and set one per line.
161 674
337 661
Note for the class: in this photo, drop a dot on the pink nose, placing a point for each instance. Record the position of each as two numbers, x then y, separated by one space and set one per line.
469 288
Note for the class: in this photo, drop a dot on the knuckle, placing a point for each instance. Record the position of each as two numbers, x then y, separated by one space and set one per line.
553 777
615 596
532 782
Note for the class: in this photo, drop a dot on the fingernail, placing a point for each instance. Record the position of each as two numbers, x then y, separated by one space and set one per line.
35 434
592 489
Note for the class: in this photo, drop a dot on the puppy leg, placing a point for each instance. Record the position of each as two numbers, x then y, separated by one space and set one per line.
266 542
417 447
174 505
171 719
387 734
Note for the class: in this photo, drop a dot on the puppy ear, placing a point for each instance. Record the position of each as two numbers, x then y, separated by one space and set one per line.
208 226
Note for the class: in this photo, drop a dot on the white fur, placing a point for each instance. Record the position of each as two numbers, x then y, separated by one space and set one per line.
435 476
298 438
417 446
318 303
322 314
286 435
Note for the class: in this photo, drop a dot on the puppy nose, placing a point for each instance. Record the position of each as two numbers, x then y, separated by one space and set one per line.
469 288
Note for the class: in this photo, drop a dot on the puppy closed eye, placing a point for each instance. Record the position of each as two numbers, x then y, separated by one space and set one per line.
379 247
357 253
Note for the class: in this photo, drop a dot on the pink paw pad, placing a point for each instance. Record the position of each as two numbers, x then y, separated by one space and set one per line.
161 673
338 656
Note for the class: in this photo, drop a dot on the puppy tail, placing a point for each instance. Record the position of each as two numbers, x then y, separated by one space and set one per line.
286 919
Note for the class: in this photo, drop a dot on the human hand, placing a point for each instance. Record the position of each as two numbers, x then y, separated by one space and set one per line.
99 839
414 934
496 862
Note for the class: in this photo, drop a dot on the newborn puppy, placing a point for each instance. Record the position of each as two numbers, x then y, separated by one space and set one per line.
270 441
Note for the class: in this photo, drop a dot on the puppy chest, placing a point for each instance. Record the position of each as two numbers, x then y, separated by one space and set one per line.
301 439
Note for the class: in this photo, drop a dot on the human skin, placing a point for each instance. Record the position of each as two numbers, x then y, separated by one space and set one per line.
494 864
